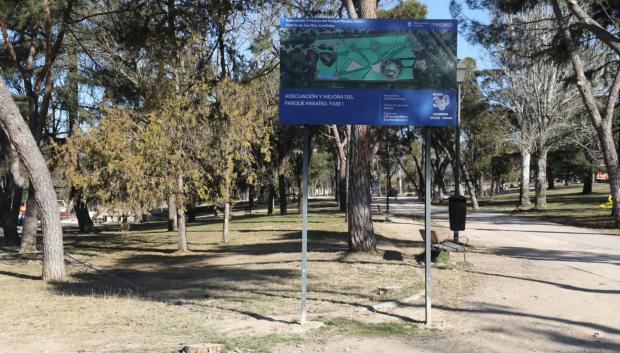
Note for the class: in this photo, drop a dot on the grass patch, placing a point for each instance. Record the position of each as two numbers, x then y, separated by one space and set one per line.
444 257
406 292
565 205
350 327
464 265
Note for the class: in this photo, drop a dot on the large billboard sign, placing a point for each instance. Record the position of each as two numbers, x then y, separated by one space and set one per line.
362 71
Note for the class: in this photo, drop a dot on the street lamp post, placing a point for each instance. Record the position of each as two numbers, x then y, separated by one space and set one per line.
462 72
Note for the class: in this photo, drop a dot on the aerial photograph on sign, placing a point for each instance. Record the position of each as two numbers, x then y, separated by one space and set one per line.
381 71
416 54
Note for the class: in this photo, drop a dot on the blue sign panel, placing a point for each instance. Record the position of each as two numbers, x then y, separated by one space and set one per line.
372 72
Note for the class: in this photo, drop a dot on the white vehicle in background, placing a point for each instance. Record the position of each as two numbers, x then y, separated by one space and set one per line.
62 208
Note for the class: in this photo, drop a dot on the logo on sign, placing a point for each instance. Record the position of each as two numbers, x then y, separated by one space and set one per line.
441 101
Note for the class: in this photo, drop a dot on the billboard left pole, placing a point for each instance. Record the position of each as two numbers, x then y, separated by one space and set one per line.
304 227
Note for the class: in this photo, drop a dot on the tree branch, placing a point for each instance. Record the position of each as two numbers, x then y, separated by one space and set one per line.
599 31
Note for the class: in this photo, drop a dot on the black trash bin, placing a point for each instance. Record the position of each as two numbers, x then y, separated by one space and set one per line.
457 208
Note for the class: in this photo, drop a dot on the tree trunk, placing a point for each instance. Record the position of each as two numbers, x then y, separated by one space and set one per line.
420 184
251 197
443 188
336 180
9 212
411 178
30 225
481 193
471 189
221 45
22 139
342 167
361 232
587 182
31 218
226 221
368 8
525 179
138 215
271 200
85 223
541 180
282 192
11 195
437 196
191 211
172 212
342 185
550 179
400 181
180 207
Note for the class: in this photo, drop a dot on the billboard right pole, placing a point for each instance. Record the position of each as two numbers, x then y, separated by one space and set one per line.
457 143
428 290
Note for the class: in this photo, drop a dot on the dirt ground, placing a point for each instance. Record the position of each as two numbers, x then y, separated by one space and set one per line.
541 287
527 286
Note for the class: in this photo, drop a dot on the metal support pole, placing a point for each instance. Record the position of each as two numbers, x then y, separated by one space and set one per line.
428 290
457 163
304 228
388 182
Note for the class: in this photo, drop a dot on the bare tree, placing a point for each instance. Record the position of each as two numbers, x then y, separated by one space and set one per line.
601 117
535 91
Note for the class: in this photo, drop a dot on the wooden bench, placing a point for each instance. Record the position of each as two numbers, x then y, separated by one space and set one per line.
442 242
434 236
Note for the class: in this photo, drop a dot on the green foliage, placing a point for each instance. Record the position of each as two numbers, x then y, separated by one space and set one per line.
132 159
106 163
405 9
240 122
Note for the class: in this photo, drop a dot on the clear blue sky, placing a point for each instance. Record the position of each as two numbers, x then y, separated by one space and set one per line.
439 9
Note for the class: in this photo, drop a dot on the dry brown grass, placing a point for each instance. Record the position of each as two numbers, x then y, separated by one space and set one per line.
248 287
565 205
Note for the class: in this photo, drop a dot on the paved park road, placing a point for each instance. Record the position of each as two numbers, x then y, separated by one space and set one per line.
542 287
550 288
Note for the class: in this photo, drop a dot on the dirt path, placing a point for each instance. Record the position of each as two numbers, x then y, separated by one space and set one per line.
542 287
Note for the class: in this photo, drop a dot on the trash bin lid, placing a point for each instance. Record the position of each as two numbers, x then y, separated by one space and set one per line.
458 198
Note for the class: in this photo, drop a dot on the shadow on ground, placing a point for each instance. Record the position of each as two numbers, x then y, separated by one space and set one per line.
253 275
557 255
